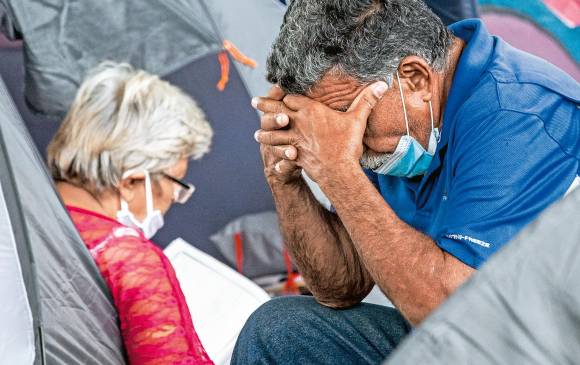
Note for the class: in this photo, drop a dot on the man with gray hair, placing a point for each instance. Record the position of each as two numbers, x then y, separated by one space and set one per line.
463 141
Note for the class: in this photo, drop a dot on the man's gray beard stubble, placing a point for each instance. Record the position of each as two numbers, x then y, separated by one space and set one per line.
372 160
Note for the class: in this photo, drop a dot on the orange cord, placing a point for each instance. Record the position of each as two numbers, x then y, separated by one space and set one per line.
238 55
239 252
225 62
290 287
225 70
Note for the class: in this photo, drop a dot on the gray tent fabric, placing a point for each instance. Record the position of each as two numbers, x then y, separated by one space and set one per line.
66 38
262 244
252 25
18 342
523 307
7 25
74 319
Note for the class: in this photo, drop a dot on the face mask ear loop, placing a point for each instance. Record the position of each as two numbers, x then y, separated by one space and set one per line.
404 107
148 193
432 121
124 205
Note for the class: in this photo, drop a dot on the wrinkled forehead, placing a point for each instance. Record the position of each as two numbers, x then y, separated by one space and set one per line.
336 91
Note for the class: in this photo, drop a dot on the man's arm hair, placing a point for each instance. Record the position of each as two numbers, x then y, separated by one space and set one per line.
321 248
408 266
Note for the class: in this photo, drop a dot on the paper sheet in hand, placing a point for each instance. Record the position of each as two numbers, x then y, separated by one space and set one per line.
220 299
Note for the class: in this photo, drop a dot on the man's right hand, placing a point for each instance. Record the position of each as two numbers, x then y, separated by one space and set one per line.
279 165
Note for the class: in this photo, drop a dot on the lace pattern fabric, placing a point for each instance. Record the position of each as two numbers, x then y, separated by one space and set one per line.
155 321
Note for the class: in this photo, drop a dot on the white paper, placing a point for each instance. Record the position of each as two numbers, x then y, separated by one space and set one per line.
220 300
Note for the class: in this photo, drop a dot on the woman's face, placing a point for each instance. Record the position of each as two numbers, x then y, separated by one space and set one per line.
162 187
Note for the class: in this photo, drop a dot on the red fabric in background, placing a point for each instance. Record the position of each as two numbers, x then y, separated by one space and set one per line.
239 249
155 321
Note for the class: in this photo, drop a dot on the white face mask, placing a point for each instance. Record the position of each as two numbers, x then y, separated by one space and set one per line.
153 220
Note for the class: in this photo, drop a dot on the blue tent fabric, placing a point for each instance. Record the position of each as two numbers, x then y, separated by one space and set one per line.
261 21
229 180
234 159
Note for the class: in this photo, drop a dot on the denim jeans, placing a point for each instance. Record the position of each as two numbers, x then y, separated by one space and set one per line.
298 330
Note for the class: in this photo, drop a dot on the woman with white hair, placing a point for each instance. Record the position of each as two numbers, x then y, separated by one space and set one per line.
118 160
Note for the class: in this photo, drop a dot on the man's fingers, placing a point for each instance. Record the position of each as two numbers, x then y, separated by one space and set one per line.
285 167
364 103
285 152
267 105
276 93
297 102
273 138
272 122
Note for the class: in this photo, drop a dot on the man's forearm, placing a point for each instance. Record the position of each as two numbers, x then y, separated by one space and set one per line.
409 267
321 247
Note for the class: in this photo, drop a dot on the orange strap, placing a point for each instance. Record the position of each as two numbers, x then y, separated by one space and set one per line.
239 248
225 62
238 55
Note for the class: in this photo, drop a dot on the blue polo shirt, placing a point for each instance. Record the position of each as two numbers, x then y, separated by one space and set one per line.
510 147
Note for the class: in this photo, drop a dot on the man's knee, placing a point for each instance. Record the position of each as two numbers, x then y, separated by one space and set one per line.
279 317
363 334
266 334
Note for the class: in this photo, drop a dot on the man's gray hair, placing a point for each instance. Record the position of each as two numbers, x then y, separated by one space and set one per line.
123 120
365 39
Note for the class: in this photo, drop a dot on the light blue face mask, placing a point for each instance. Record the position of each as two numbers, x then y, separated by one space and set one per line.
410 158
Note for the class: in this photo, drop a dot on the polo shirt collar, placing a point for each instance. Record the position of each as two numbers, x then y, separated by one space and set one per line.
472 64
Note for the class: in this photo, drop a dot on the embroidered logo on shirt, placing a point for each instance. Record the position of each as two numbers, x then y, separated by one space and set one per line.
461 237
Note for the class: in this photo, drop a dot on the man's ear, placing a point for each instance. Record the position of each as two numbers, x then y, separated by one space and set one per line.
419 76
128 186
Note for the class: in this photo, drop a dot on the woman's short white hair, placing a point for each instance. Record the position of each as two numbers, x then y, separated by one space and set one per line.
122 120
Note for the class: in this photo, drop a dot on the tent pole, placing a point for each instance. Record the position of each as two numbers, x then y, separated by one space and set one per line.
24 248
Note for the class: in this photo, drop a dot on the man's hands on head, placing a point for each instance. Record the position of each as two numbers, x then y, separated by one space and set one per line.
341 255
298 132
316 239
275 118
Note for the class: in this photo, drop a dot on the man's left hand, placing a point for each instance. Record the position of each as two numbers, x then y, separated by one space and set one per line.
322 141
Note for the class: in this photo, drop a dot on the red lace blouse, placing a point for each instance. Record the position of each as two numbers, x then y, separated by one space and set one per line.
155 322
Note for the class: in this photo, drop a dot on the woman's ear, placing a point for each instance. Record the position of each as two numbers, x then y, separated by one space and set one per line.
128 186
419 76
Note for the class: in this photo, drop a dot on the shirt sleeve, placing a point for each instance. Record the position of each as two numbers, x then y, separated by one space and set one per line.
155 321
507 170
